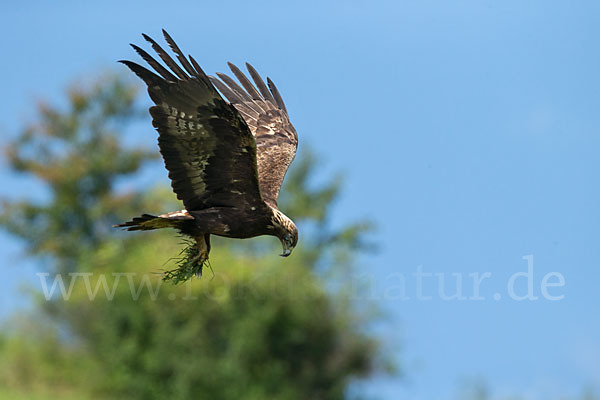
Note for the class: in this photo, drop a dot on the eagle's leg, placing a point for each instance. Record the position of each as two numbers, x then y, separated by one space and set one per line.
203 246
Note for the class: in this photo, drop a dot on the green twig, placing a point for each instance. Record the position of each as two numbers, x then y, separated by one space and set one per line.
188 264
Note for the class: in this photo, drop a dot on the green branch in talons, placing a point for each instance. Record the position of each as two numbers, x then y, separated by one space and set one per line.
188 263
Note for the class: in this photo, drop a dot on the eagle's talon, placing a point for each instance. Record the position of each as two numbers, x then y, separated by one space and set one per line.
199 262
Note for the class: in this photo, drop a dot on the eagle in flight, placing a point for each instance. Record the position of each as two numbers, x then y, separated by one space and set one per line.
226 156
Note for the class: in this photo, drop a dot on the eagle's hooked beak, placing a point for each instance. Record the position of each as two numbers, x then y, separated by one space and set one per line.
286 249
286 252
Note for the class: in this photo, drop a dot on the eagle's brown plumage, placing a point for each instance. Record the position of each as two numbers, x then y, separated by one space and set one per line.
226 159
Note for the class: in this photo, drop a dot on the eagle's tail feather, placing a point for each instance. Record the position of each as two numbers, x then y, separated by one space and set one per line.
148 222
142 223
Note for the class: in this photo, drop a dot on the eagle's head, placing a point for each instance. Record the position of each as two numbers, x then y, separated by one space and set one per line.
286 231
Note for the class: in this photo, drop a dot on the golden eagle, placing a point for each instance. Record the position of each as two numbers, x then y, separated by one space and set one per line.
226 159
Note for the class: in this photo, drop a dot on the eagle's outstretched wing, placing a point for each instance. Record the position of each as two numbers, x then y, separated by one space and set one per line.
266 115
207 147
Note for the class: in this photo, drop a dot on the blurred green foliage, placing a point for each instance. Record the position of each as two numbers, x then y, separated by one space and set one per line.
261 327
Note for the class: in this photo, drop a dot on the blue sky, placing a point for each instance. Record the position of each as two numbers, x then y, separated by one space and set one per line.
468 131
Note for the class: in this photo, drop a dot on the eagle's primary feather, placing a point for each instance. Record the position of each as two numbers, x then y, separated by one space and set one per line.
276 138
226 158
